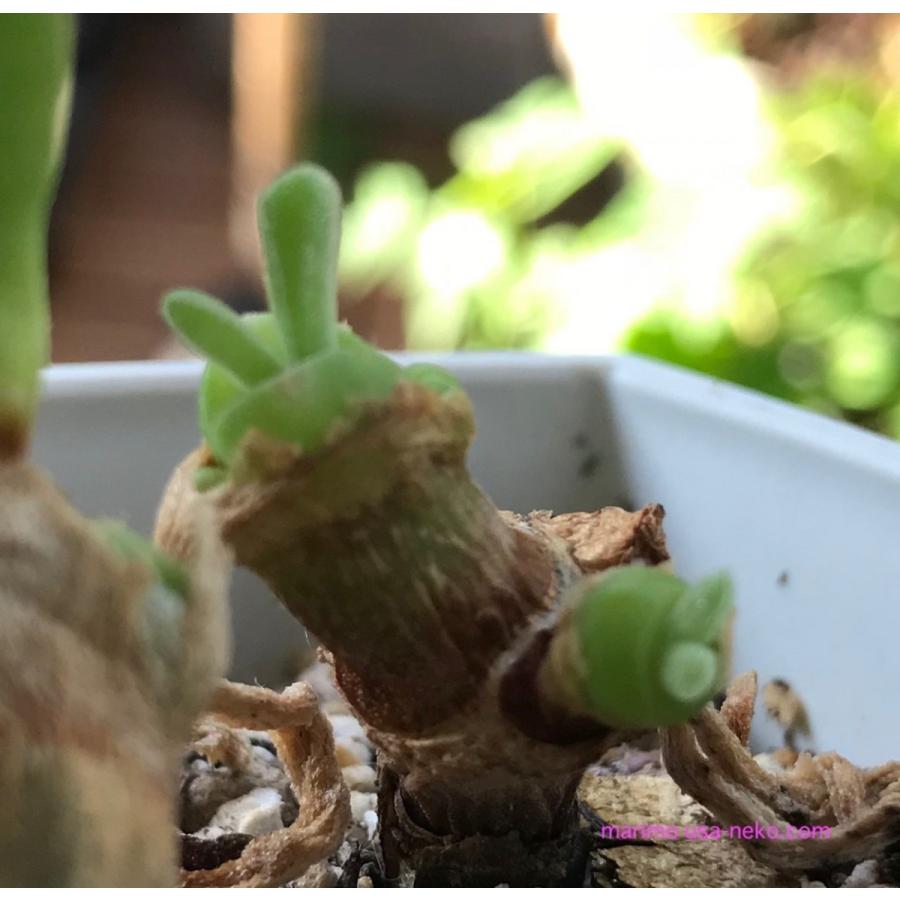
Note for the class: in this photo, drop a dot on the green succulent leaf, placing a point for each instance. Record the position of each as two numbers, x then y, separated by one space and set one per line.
431 376
294 372
299 224
302 404
703 608
689 671
651 648
220 390
211 328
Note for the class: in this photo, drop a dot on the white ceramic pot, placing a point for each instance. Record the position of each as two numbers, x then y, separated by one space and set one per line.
803 512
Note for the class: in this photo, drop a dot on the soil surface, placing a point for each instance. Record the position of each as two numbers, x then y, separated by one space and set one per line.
229 798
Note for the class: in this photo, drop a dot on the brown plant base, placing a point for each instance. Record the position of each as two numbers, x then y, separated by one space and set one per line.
92 713
480 861
413 855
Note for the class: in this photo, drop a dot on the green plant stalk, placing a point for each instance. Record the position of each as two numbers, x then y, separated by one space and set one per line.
35 89
24 343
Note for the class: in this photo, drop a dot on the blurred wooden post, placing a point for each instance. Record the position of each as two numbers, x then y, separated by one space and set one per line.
272 76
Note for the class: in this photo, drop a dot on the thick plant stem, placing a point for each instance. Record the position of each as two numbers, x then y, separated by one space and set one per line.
36 54
416 608
438 611
107 651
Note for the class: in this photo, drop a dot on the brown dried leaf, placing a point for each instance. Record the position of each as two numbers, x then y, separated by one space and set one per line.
845 785
737 710
610 536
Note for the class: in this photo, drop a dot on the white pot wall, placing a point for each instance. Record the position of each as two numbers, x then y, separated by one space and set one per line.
749 484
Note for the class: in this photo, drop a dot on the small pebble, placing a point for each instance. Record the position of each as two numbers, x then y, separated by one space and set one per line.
364 881
320 676
370 820
206 788
359 778
360 804
201 853
352 752
320 875
864 874
256 813
346 726
264 755
768 763
351 745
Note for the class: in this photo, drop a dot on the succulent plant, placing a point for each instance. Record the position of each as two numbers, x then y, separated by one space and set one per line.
293 372
108 648
486 668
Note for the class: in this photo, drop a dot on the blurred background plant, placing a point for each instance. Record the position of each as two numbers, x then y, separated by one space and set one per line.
762 248
718 191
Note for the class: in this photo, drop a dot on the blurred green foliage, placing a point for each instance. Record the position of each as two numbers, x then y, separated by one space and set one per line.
495 258
816 312
469 258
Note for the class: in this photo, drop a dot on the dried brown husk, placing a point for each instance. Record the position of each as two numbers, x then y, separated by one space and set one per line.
92 714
